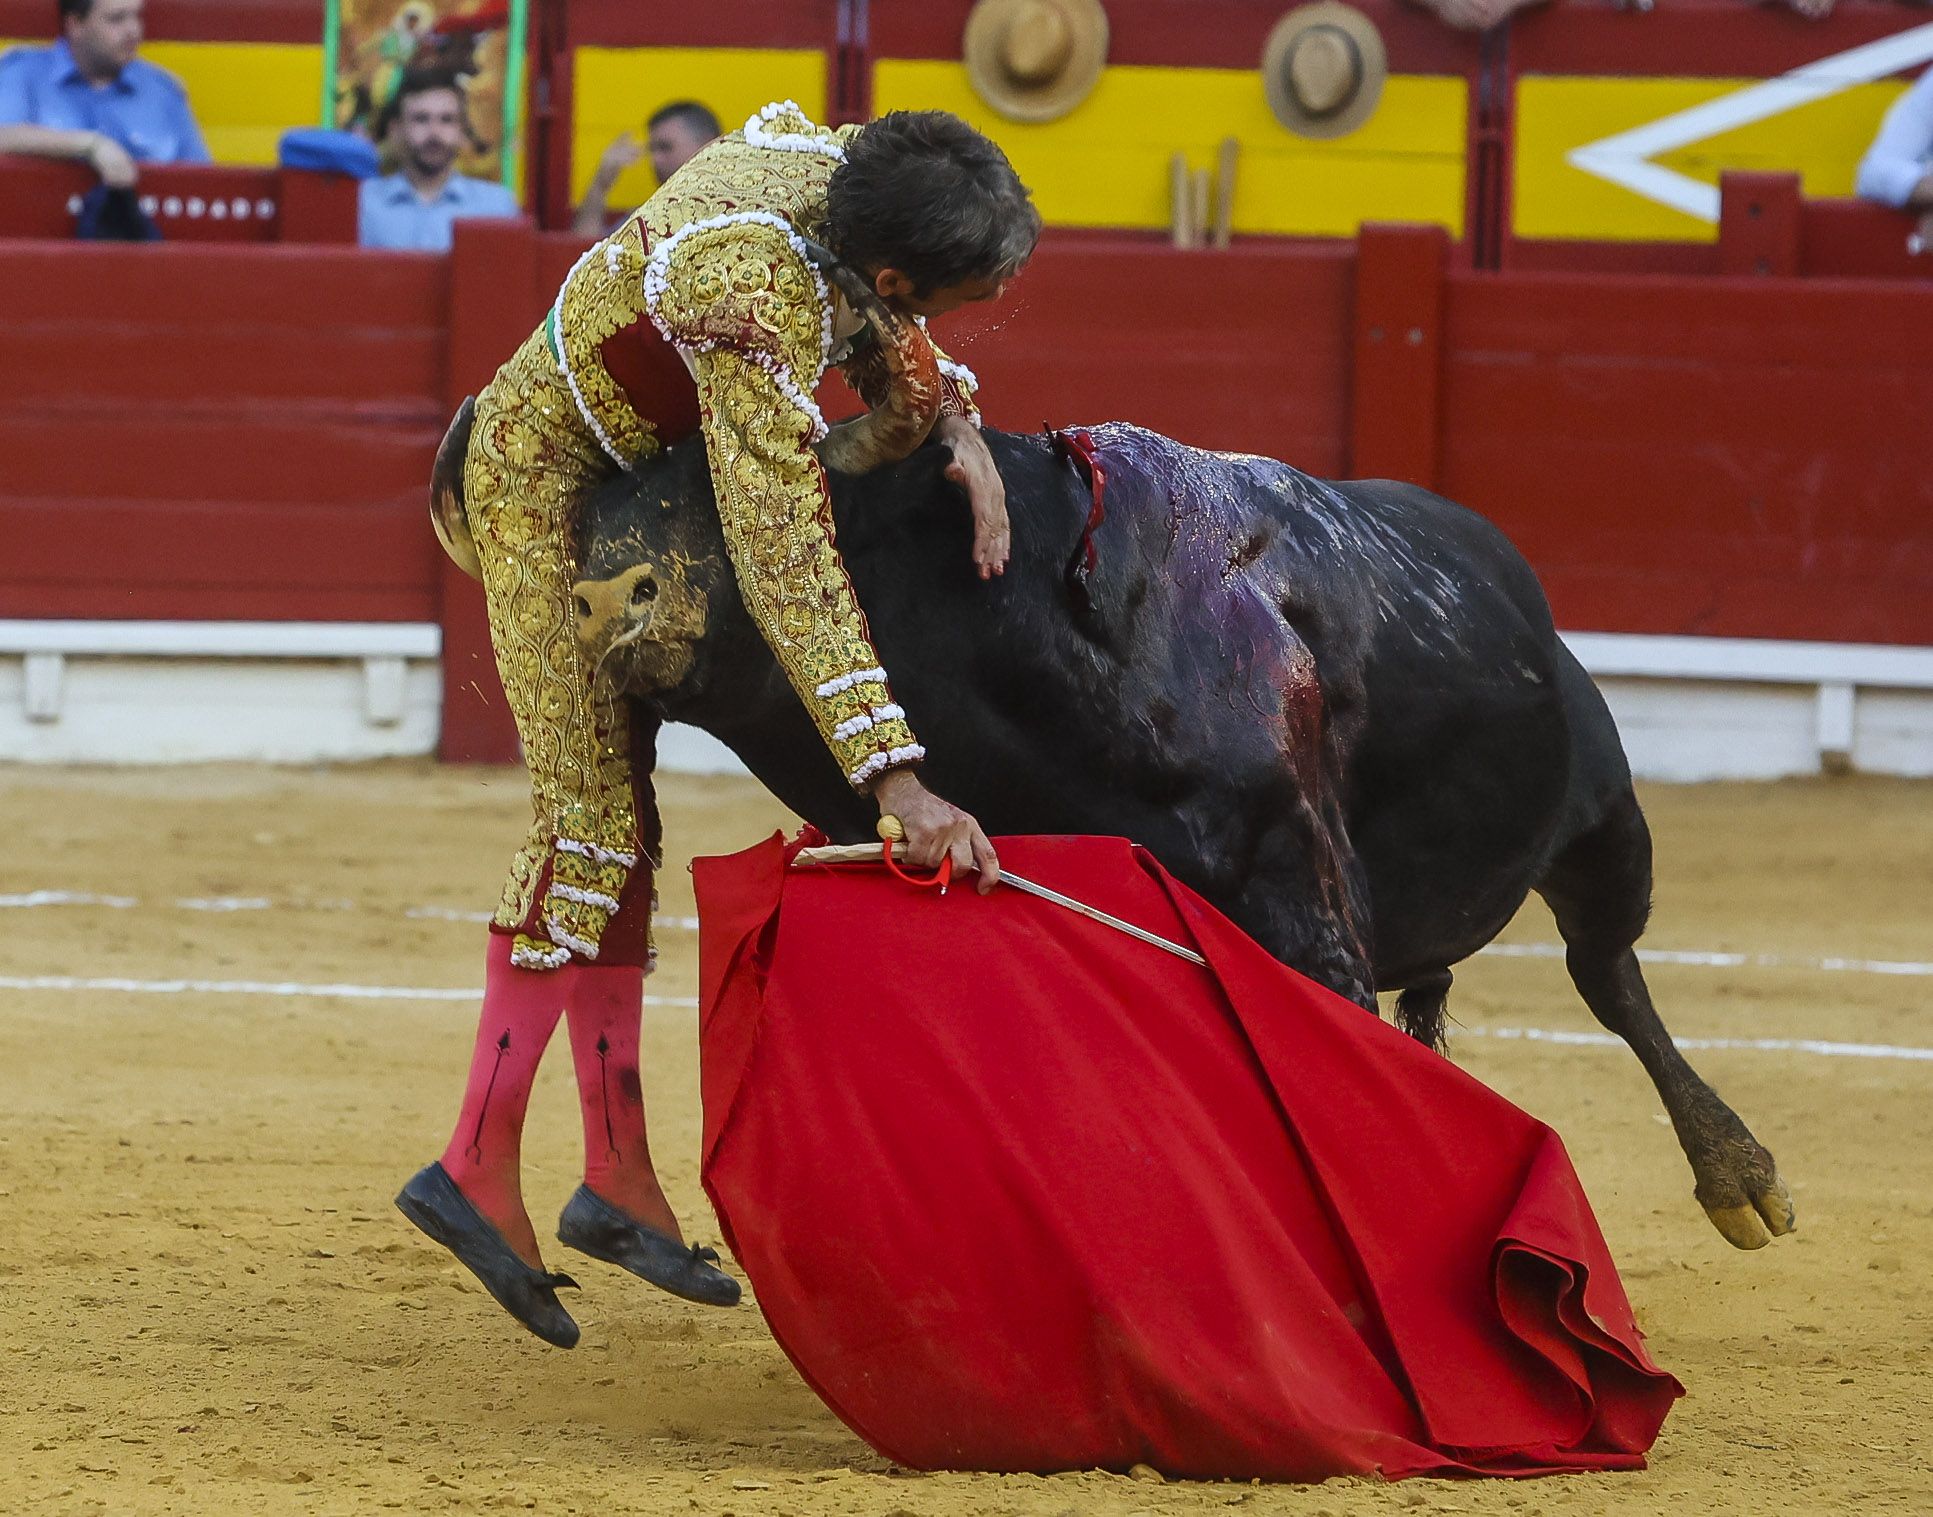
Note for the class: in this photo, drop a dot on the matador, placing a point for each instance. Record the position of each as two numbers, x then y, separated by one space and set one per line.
781 250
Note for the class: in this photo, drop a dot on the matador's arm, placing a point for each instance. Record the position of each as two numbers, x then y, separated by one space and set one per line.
744 302
868 374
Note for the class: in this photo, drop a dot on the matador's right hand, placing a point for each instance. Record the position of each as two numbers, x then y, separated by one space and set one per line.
936 829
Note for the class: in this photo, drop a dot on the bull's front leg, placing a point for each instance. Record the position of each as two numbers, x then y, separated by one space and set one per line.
1305 902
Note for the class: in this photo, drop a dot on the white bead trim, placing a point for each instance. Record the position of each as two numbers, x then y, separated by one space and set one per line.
958 372
845 682
852 726
599 855
564 939
655 283
538 958
891 759
788 142
595 898
564 363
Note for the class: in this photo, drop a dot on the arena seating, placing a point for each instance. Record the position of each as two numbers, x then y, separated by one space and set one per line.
247 412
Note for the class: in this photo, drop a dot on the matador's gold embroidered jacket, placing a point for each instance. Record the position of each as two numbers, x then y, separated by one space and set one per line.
701 311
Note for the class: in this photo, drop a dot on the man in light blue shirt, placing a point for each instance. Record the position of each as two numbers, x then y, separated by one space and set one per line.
89 98
415 208
1898 168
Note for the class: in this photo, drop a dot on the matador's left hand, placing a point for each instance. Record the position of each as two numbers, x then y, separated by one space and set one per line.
972 468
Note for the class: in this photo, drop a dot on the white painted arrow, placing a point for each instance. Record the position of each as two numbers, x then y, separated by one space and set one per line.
1625 158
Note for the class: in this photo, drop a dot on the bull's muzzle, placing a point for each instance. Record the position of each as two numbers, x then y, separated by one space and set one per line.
615 610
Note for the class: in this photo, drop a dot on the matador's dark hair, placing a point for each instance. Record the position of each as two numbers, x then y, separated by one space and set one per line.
924 193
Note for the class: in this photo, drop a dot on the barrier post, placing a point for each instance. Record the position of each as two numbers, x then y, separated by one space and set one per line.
318 207
493 272
1758 223
1396 352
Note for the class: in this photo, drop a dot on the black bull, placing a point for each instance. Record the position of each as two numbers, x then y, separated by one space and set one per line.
1337 710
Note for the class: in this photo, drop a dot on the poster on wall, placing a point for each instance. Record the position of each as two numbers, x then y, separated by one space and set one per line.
370 45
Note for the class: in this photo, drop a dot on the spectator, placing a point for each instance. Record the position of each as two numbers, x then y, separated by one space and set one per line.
1898 168
1474 15
416 207
88 97
674 134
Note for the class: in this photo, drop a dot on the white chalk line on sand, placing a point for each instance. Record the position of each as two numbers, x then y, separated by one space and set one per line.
27 900
1707 959
1821 1047
332 992
1697 958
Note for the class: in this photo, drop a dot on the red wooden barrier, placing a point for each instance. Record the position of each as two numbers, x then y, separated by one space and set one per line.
1398 340
1243 348
186 20
1736 458
218 432
187 202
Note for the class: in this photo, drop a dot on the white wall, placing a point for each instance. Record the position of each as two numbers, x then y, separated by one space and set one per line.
1688 708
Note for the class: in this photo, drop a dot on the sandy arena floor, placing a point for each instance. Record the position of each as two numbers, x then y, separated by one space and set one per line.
208 1305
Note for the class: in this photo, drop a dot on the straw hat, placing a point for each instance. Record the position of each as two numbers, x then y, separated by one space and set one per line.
1324 68
1035 60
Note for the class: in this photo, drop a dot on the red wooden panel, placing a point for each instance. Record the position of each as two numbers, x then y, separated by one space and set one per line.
1714 38
270 287
209 560
1758 223
1855 237
1243 349
187 20
1726 457
376 371
268 456
719 23
1197 33
1530 255
1397 336
191 203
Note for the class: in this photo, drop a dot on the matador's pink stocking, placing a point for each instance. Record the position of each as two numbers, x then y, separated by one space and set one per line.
605 1012
520 1011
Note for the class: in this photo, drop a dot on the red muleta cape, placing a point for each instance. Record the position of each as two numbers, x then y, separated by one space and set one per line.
1017 1192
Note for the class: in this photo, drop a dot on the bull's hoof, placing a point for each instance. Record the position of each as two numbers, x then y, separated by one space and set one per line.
1765 1213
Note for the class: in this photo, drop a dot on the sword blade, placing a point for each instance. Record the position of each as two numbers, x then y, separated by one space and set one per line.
868 853
1095 914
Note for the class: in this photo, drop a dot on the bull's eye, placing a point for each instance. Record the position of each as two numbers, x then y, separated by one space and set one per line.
644 590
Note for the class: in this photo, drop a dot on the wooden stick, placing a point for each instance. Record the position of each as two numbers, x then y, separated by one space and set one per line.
1231 154
1181 210
1202 196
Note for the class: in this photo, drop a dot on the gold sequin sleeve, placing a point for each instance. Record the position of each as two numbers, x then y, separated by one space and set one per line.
749 308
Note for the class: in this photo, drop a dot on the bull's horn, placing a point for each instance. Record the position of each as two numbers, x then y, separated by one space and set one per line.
447 511
894 428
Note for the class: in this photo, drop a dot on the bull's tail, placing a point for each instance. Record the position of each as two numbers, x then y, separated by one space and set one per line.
447 513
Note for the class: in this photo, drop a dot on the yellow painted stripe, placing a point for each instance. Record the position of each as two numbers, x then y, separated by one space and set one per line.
1822 142
244 94
616 89
1107 164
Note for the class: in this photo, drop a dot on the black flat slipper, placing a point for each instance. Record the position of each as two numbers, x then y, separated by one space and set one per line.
432 1201
593 1226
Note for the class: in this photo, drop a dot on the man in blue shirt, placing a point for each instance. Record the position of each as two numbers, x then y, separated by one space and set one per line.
89 98
1898 168
416 207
